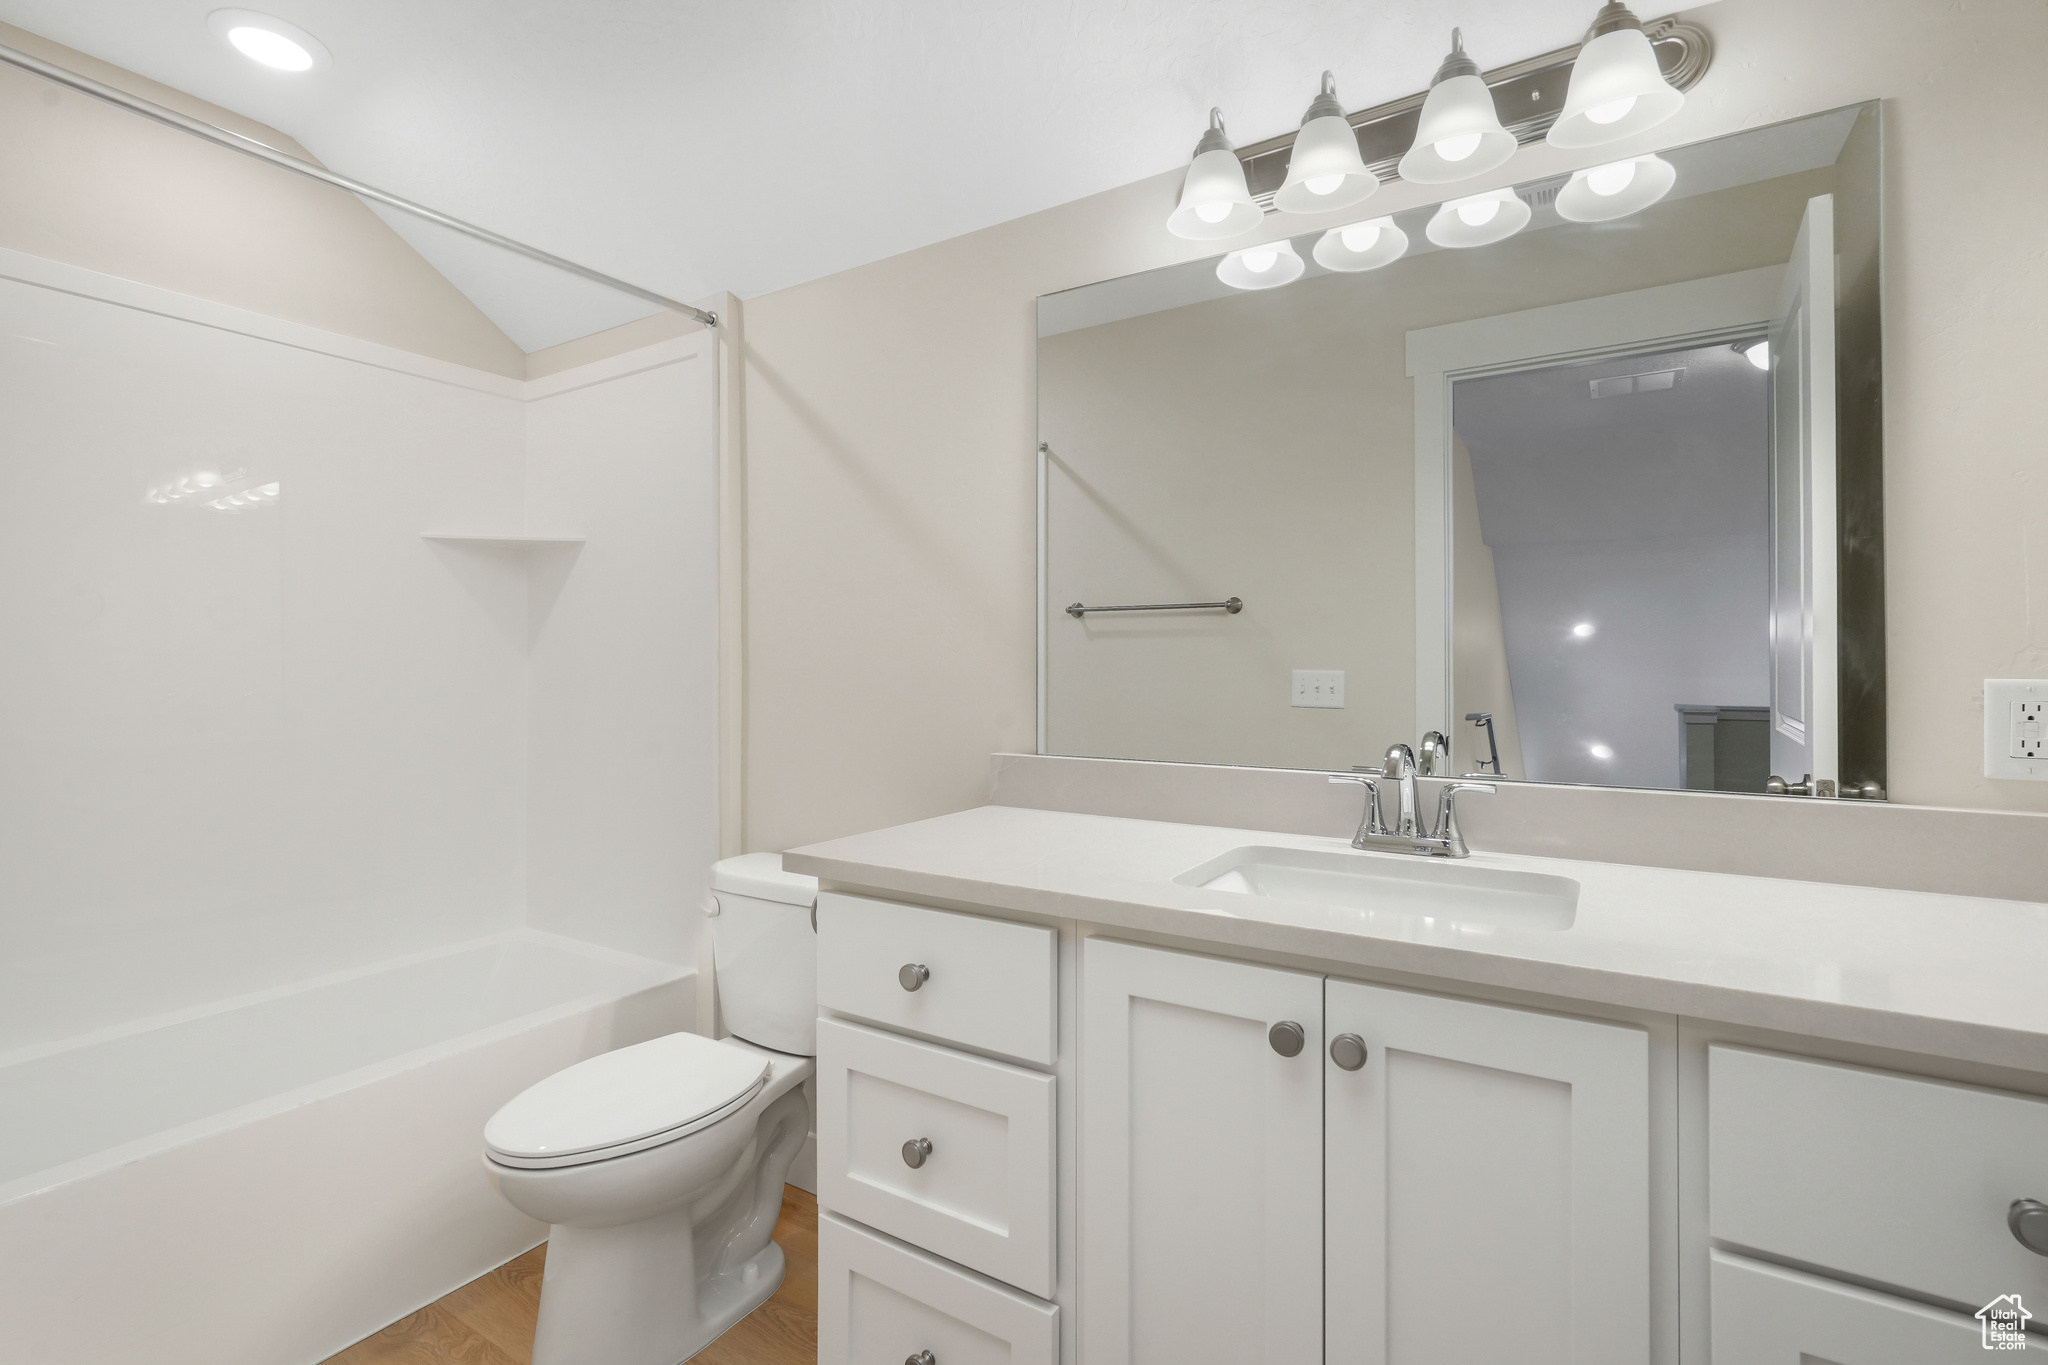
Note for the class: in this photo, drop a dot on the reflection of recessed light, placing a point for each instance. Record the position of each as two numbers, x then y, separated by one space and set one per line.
269 41
1601 751
1583 629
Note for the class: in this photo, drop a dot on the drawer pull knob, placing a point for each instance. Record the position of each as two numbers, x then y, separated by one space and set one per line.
912 975
1348 1051
2028 1219
915 1151
1287 1038
921 1358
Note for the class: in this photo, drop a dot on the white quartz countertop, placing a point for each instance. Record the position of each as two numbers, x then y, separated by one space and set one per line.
1953 976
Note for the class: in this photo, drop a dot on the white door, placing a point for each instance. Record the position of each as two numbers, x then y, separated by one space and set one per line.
1768 1315
1804 725
1488 1184
1201 1172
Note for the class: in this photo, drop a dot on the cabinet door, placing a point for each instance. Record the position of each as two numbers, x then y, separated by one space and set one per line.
1201 1162
1767 1315
1488 1184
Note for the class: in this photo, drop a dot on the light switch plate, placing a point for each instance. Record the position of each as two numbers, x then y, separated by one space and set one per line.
1319 687
2016 728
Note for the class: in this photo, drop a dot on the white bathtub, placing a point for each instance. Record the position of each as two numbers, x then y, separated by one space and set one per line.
268 1179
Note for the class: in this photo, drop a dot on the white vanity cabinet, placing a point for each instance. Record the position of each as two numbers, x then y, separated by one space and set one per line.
1488 1183
1877 1178
1454 1181
1769 1315
1201 1160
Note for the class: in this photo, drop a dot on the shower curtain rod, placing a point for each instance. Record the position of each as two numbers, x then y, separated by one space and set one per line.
235 142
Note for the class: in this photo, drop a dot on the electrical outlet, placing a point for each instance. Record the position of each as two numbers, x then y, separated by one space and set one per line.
1319 687
2016 728
2028 737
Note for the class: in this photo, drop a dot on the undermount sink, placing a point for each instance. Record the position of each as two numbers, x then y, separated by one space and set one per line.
1391 888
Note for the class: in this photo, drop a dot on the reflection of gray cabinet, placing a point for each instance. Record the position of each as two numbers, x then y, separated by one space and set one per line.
1724 748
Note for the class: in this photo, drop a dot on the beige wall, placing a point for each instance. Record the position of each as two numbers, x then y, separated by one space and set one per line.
89 184
1228 448
891 514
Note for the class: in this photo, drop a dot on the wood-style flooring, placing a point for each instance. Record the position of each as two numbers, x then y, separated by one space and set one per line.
489 1321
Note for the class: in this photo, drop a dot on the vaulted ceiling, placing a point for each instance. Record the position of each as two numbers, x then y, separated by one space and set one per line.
692 147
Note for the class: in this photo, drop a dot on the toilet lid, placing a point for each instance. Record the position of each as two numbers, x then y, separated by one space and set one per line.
625 1097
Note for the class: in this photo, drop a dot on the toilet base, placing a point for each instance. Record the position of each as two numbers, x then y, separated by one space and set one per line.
631 1293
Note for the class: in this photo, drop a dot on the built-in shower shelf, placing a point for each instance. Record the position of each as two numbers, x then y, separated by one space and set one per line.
511 542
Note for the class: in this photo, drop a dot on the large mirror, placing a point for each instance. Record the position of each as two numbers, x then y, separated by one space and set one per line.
1598 502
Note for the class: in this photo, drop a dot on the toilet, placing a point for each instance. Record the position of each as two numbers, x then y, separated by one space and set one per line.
660 1166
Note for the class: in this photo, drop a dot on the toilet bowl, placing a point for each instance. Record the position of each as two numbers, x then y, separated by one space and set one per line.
660 1166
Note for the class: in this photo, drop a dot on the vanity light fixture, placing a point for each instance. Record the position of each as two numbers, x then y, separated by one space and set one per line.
1361 246
1479 219
1615 190
1261 267
1324 169
1757 350
1617 89
1214 202
269 41
1459 135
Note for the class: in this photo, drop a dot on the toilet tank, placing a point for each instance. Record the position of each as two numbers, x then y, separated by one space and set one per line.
765 952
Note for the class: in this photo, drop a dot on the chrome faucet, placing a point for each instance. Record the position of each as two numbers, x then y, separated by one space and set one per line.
1406 832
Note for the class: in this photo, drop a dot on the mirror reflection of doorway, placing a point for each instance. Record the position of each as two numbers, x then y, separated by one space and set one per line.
1624 504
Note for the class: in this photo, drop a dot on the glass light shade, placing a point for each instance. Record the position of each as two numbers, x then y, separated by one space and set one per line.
1215 202
1629 187
1478 220
1617 91
1325 149
1261 267
1361 246
1457 111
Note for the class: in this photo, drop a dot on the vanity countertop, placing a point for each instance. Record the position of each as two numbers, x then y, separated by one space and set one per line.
1953 976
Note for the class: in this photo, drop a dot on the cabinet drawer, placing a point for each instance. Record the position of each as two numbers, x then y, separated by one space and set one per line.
989 983
983 1195
880 1301
1893 1180
1767 1315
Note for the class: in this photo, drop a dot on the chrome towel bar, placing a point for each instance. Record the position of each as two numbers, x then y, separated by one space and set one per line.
1233 605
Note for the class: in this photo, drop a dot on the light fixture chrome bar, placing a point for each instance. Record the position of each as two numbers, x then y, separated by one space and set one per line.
235 142
1537 86
1233 605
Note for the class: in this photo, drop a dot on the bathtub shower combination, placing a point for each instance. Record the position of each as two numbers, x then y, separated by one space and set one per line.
288 1169
357 749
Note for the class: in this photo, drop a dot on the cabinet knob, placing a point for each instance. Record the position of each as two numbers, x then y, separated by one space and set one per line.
921 1358
915 1151
912 975
1287 1038
2028 1219
1348 1051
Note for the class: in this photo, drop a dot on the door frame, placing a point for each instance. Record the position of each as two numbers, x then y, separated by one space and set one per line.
1671 317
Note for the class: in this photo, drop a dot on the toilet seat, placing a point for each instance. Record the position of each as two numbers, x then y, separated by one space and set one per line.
625 1101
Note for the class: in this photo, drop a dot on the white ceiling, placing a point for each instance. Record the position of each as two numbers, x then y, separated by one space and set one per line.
693 147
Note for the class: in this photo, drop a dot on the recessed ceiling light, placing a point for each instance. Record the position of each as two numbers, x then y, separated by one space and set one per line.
1600 751
1583 629
269 41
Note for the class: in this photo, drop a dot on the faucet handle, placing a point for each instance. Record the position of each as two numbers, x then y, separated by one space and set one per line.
1368 778
1447 815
